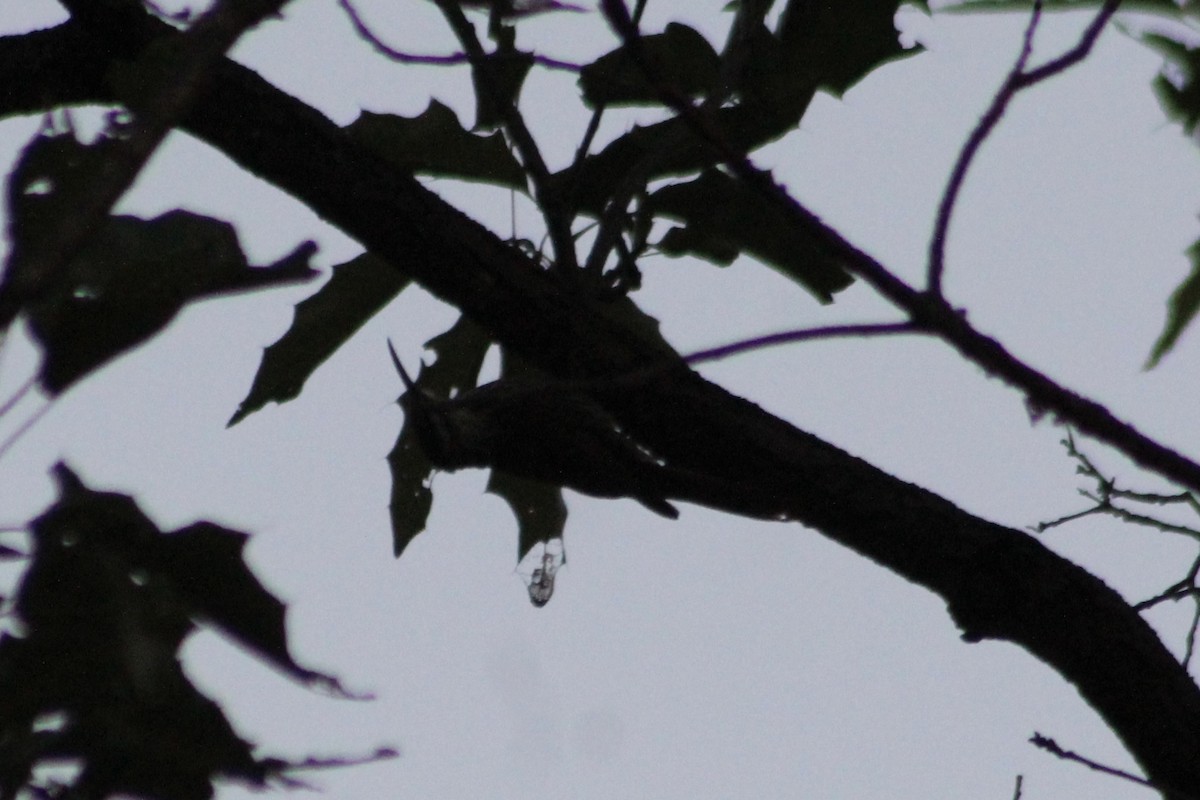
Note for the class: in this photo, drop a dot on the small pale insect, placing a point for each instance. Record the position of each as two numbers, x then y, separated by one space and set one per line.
541 581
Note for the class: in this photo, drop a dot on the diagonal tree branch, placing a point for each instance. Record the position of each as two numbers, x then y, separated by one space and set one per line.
998 583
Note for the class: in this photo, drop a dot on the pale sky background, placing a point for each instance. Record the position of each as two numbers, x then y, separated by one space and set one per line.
711 657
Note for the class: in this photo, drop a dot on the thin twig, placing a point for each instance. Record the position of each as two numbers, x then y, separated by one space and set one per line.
1052 747
24 428
18 396
1107 491
929 312
1017 788
987 123
1017 80
804 335
1077 53
1190 642
367 35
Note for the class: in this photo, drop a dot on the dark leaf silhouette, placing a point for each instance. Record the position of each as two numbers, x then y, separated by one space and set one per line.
358 290
684 61
95 676
435 144
459 355
537 506
133 276
1178 86
1181 309
722 216
834 45
664 149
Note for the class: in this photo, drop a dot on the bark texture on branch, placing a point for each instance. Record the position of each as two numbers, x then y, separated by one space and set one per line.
998 583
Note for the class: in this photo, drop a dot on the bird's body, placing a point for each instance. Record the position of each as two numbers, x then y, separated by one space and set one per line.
545 433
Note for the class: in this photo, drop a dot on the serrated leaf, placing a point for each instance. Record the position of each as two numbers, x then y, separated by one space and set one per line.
357 291
130 279
538 507
1181 310
434 143
683 59
105 605
664 149
459 354
834 45
723 213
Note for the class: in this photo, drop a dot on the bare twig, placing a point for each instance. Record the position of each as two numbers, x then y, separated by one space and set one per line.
200 47
1052 747
927 311
1018 79
24 428
366 34
987 123
18 396
1017 788
804 335
1107 492
1077 53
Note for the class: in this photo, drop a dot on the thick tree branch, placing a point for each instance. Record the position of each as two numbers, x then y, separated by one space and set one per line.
998 583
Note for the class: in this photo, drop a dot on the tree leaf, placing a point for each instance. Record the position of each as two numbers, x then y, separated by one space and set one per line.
434 143
1178 85
105 606
459 354
538 507
665 149
722 215
358 290
834 45
132 277
700 242
682 58
1181 310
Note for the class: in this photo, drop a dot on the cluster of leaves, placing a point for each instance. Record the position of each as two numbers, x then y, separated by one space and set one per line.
756 89
91 676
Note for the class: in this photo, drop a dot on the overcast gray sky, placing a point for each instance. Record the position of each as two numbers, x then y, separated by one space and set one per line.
710 657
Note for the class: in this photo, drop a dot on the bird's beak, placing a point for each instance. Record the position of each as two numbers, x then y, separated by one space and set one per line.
409 385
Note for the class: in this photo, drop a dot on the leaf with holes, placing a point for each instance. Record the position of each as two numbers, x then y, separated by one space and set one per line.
459 354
